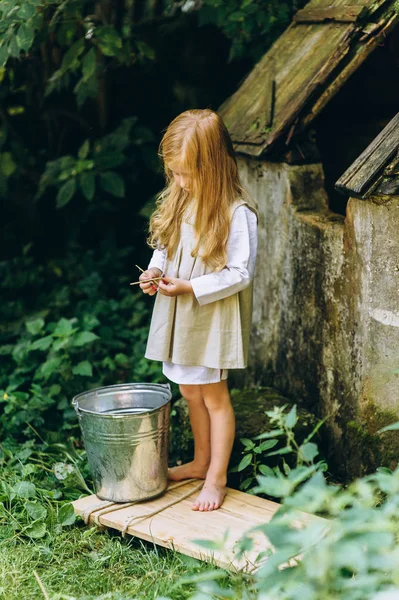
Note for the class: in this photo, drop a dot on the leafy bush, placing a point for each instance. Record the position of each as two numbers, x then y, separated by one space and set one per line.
32 505
48 358
279 442
352 552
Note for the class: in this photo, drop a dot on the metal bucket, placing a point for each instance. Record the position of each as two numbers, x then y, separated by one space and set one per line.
125 433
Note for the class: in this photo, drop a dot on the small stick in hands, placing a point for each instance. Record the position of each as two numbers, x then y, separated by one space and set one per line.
153 280
146 281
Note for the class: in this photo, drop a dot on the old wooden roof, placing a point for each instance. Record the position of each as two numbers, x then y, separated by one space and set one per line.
376 171
326 42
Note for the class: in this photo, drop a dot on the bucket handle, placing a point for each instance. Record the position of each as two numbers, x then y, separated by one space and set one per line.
75 404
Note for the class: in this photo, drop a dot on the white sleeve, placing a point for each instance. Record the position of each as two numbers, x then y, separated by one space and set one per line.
241 256
158 260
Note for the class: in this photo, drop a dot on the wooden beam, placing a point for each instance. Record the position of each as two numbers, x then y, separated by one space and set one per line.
340 14
362 174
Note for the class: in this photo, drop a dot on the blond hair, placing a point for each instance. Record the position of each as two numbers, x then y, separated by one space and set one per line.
197 142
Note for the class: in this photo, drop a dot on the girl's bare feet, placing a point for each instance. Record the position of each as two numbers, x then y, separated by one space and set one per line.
211 496
190 470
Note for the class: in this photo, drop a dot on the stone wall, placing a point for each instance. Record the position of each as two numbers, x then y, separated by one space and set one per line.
326 309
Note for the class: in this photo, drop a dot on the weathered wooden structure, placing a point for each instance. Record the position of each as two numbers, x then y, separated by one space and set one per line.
326 319
376 171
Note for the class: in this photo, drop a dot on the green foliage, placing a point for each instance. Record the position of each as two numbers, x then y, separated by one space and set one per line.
20 22
350 553
251 25
91 166
279 442
48 358
84 33
32 505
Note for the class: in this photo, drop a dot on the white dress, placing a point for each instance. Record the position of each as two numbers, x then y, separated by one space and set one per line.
239 271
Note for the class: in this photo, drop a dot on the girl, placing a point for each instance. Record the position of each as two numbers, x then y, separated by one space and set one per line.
205 239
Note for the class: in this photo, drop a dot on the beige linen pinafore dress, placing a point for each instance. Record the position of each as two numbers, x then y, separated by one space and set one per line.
182 332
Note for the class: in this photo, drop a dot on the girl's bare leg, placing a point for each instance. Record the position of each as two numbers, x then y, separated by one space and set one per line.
222 427
200 425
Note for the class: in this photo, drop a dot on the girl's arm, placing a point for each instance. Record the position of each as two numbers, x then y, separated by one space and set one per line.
241 255
158 260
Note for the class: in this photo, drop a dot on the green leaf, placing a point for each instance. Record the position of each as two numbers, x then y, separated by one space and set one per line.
291 418
25 36
267 444
113 183
13 49
36 511
36 530
89 65
66 192
308 451
108 40
274 486
3 54
121 359
42 343
392 427
245 462
236 16
87 183
84 337
49 367
34 327
269 434
145 49
246 484
66 515
24 489
247 443
84 368
267 471
70 60
60 343
84 150
26 11
64 328
7 164
285 450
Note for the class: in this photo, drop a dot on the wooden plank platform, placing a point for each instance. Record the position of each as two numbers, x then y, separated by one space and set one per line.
178 526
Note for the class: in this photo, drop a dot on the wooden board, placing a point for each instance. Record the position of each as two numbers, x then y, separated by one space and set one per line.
303 69
178 526
342 14
358 180
295 67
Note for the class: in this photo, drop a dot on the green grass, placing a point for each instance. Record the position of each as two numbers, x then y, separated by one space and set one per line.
84 564
73 561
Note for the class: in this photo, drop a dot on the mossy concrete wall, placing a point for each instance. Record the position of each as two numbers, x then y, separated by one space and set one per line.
326 304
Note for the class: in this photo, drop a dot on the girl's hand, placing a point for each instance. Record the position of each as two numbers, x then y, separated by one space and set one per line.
148 287
171 286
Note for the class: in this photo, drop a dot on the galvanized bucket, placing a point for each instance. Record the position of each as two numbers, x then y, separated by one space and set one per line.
125 433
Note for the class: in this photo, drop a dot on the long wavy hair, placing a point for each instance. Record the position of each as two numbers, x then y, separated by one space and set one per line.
198 143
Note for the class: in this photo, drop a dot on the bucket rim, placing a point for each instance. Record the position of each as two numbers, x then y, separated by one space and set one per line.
165 387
